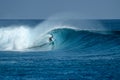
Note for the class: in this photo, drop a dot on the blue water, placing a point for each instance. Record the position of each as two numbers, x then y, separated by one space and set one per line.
87 52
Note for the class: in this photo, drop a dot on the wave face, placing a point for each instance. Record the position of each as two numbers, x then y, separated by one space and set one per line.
79 40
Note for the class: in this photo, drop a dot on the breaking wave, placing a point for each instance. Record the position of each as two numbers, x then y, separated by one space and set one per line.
64 37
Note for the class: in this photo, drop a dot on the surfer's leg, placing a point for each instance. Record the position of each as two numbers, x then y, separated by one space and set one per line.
52 45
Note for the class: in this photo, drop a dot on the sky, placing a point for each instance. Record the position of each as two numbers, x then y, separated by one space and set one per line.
43 9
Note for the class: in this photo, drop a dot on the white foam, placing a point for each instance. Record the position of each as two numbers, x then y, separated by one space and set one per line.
14 38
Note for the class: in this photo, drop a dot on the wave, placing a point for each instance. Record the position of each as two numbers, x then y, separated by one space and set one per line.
56 35
67 39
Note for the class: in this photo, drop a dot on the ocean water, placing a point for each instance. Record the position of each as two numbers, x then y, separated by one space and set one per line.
79 49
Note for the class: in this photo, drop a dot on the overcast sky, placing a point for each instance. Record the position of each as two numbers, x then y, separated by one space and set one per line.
42 9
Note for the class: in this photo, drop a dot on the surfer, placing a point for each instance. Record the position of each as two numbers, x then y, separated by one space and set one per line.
51 41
